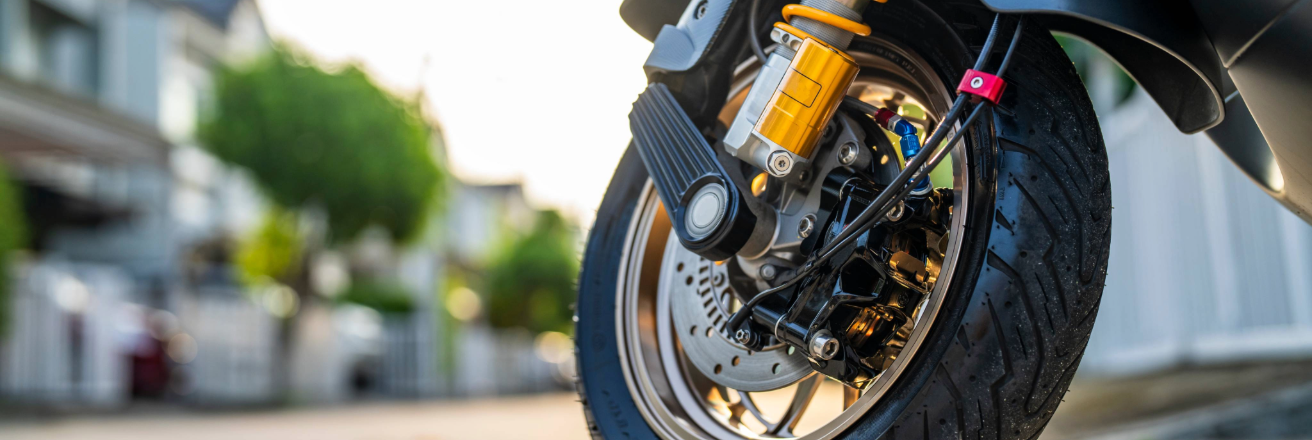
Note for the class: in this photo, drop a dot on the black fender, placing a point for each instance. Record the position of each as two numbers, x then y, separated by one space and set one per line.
1193 57
647 17
695 55
1158 42
1234 69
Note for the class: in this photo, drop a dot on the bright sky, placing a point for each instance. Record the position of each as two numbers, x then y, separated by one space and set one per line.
526 90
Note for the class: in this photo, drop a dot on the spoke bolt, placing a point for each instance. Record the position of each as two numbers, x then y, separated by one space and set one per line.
823 345
896 212
848 153
780 163
806 226
768 271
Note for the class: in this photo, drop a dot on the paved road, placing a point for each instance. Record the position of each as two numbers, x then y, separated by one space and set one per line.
1248 401
547 417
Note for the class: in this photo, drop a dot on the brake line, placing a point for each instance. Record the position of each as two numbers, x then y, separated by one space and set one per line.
911 175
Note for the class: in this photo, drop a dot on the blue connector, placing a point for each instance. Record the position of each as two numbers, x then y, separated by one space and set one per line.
910 144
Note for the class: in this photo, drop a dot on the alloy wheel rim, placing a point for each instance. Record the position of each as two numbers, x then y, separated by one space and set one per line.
668 392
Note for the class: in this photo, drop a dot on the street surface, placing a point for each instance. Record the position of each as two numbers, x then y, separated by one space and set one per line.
545 417
1271 400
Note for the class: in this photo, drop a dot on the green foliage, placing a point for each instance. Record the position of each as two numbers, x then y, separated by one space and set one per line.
530 283
380 296
1081 53
333 140
273 250
13 236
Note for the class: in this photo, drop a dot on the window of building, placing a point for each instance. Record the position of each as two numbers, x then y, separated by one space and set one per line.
66 50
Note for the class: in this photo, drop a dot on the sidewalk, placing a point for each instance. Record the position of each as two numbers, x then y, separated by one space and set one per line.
547 417
1271 400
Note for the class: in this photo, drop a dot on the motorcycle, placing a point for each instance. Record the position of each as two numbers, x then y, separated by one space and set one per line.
865 218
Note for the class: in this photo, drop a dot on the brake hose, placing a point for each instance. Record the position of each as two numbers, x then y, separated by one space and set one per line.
752 35
906 180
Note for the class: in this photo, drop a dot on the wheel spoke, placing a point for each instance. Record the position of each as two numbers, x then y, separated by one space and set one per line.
745 399
895 101
737 409
806 389
849 396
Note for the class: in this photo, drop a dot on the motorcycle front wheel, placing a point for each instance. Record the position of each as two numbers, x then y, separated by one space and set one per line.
992 349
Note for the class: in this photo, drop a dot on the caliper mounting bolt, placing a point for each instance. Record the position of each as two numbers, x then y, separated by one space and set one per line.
848 153
806 226
823 345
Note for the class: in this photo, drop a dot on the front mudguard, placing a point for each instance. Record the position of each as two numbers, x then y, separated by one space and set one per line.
695 56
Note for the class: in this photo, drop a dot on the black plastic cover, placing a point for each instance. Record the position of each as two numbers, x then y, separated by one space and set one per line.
680 161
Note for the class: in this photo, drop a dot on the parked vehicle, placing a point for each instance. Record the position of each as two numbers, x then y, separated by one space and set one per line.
778 227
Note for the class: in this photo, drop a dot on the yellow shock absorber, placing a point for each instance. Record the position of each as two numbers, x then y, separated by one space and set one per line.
816 80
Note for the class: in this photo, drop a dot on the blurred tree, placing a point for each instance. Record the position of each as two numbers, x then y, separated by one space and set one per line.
530 282
273 250
333 140
381 296
1083 54
13 236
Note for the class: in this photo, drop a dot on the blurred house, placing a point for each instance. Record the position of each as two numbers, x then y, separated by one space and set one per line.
1205 268
128 291
481 360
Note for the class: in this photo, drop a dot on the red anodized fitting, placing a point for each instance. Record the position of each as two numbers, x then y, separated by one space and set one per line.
983 85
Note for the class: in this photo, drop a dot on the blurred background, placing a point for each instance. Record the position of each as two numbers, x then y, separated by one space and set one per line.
334 219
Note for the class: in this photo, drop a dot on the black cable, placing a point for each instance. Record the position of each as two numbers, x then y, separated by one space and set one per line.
915 163
751 32
988 44
882 203
1015 38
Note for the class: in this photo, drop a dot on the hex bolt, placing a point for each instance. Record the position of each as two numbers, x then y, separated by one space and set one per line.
768 272
823 345
848 153
806 226
780 163
743 337
896 212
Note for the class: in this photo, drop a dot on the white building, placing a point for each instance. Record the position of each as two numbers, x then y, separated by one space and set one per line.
98 105
1205 267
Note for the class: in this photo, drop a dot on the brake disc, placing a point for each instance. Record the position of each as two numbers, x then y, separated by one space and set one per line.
700 299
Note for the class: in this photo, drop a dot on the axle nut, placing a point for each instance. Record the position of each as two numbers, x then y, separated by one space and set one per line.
706 210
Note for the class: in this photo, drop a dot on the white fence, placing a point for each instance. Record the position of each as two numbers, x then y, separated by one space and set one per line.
235 350
1205 267
491 363
61 347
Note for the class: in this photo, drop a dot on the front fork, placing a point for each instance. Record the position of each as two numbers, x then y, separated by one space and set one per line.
799 87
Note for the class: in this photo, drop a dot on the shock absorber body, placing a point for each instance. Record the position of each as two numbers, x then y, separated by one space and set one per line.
797 91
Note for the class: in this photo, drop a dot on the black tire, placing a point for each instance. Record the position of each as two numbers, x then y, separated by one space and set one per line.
1017 317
